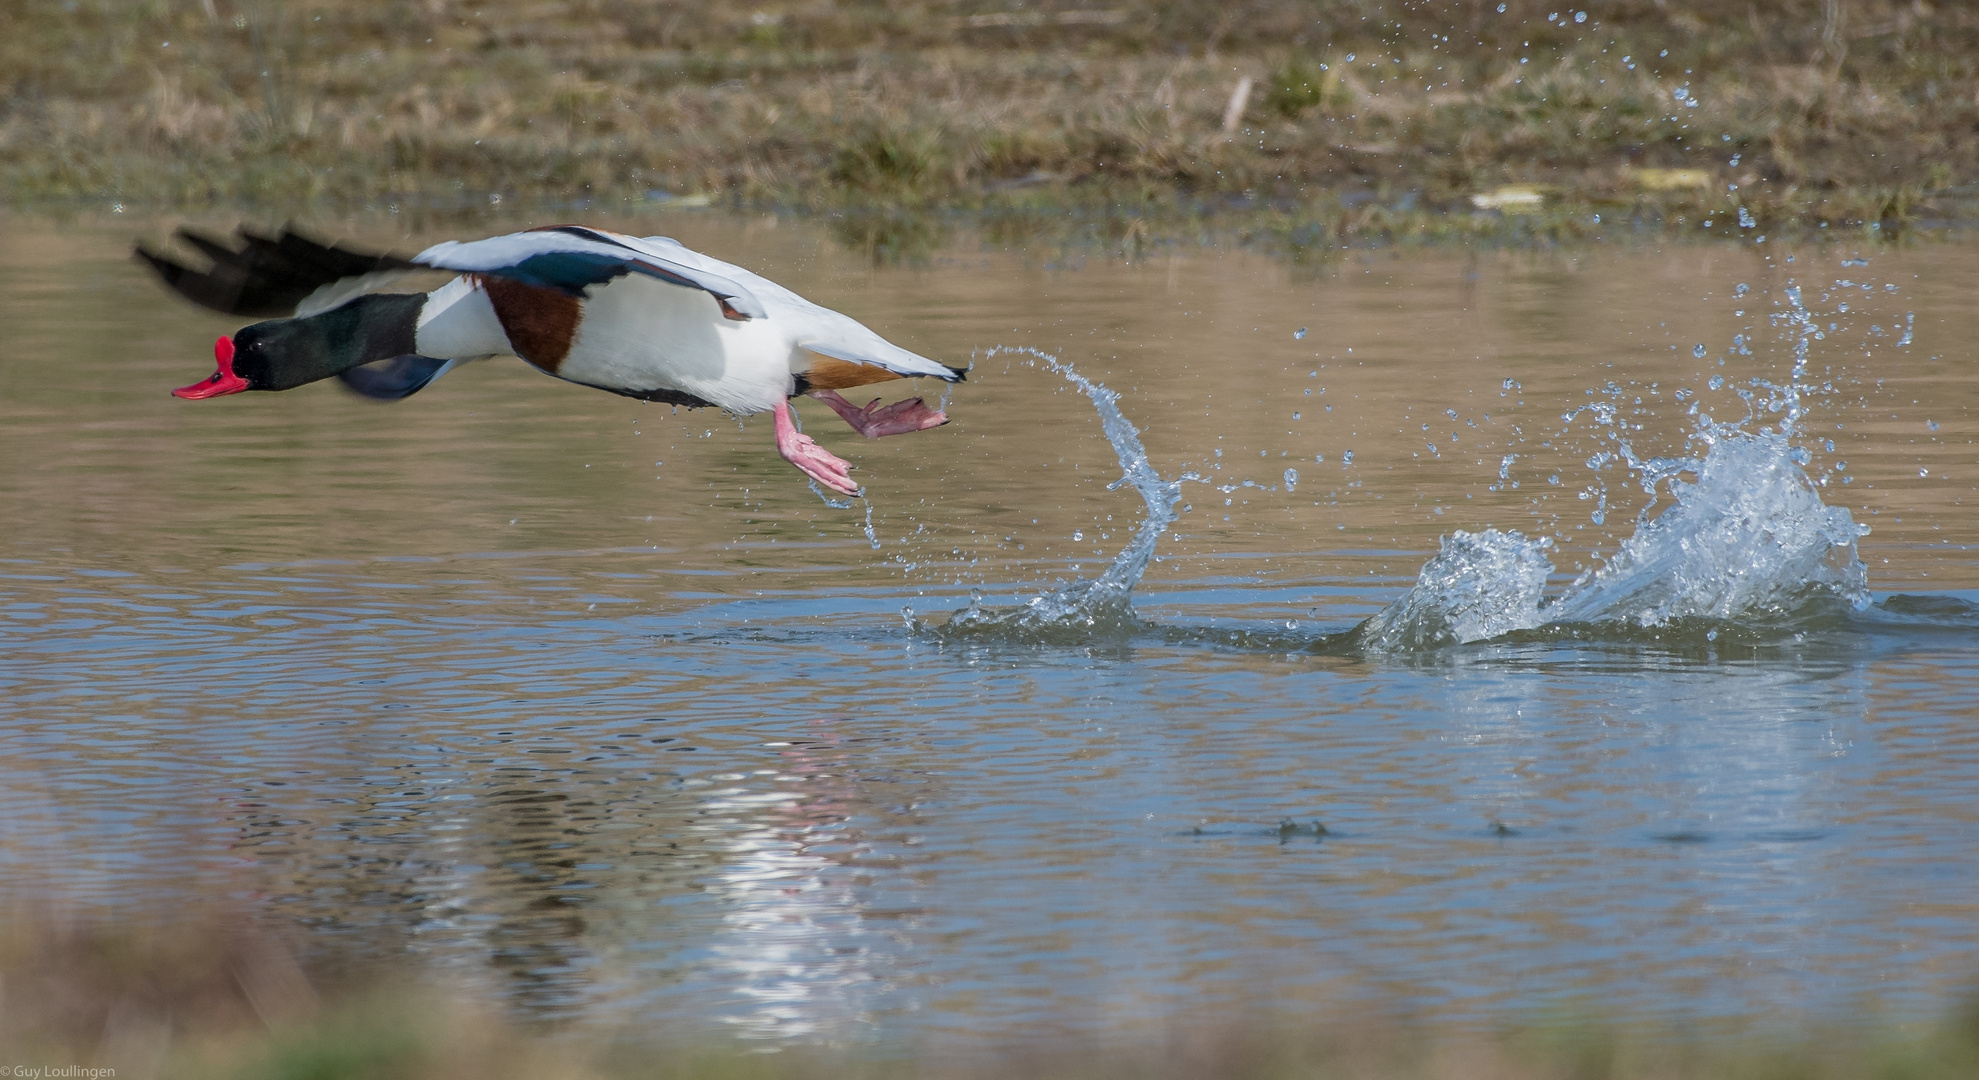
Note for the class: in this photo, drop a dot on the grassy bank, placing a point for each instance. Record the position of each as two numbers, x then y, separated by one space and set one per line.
215 997
1365 118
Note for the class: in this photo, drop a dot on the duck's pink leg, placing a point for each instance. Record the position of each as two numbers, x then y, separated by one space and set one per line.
873 422
817 463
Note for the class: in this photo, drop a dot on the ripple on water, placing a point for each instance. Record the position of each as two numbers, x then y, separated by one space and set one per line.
695 782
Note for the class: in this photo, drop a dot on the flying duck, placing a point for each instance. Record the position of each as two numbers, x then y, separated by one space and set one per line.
644 317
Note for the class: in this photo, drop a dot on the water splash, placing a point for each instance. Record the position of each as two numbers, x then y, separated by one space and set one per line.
1479 586
1748 537
1743 539
1103 604
872 537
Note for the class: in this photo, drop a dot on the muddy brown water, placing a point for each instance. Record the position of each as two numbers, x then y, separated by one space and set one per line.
594 709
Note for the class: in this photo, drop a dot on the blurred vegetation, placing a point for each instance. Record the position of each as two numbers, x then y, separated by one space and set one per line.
212 995
1403 118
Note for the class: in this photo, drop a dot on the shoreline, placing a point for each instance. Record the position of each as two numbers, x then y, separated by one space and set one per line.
1304 235
1525 126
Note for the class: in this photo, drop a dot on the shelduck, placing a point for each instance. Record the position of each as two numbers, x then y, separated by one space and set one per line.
644 317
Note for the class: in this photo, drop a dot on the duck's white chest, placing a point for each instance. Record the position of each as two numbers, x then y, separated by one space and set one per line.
635 333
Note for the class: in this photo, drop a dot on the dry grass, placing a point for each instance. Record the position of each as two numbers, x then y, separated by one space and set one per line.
213 995
1369 118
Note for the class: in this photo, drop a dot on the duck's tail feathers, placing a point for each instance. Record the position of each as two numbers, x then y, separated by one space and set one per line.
876 351
259 276
399 377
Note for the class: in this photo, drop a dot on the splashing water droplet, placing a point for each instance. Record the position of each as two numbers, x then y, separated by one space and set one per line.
1698 350
1104 603
1299 334
1291 479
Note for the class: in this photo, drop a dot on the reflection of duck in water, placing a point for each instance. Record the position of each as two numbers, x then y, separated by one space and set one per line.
647 318
808 944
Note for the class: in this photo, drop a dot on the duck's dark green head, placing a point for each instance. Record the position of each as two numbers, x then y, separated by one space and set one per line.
282 354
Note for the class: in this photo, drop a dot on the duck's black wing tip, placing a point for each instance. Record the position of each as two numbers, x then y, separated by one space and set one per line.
259 275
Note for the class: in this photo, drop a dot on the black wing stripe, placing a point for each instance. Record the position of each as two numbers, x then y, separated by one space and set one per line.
261 276
590 234
332 262
219 252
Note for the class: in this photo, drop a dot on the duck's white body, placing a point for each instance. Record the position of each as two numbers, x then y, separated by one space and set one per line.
639 332
643 334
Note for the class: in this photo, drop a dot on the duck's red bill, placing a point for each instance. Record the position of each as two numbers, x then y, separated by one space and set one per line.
223 381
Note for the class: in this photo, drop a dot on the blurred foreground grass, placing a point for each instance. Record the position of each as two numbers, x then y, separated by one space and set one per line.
1314 122
212 996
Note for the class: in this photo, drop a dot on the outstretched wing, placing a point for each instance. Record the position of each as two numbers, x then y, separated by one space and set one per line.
265 277
261 276
572 258
814 327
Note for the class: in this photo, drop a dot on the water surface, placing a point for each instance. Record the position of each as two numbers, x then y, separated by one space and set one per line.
595 708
